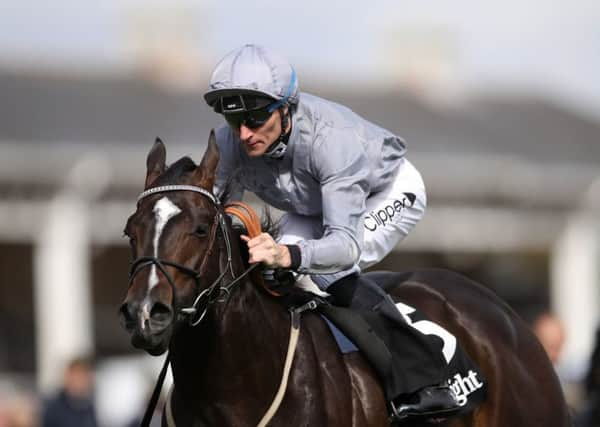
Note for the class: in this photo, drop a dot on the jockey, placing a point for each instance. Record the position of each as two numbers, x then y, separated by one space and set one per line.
347 189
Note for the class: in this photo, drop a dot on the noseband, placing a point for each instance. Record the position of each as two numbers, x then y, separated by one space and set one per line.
215 292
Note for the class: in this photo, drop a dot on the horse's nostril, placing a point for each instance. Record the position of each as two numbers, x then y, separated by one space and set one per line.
127 317
161 313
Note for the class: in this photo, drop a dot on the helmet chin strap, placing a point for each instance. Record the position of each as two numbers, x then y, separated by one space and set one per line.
278 148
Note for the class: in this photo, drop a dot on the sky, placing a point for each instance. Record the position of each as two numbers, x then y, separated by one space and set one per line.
535 46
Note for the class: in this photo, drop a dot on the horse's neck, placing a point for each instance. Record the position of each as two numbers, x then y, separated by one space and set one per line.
247 332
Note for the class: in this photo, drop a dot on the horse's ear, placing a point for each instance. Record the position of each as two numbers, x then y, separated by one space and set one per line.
204 175
155 162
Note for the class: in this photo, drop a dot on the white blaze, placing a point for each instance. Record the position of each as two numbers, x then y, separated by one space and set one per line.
163 210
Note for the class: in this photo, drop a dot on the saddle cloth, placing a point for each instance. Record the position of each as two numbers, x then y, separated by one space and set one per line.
354 332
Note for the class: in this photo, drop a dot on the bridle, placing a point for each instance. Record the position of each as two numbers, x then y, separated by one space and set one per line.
217 291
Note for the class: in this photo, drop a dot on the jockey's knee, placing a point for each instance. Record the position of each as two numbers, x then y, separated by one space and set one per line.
356 291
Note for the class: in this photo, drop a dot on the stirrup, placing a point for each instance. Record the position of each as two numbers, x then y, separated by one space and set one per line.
412 410
395 415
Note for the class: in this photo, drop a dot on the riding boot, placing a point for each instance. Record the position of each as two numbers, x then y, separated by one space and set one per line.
364 295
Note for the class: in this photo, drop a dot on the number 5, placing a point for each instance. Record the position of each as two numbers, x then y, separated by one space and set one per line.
429 328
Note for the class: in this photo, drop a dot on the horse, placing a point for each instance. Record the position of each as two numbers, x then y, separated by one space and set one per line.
189 294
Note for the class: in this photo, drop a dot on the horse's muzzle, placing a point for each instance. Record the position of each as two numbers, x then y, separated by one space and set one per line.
146 322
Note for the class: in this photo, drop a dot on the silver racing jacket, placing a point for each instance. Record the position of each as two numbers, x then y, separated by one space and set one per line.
335 159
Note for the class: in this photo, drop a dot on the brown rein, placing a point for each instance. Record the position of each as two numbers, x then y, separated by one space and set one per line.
247 215
251 222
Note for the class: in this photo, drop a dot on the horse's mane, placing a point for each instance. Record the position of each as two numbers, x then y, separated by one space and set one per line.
228 187
268 224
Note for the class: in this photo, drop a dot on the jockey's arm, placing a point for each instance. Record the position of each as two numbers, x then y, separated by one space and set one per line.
342 172
343 198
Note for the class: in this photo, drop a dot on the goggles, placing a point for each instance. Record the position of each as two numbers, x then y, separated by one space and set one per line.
250 111
251 119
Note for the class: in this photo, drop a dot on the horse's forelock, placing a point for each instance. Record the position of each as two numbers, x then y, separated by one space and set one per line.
175 171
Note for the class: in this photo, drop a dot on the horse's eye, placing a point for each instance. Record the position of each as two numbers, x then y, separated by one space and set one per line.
132 240
129 236
201 230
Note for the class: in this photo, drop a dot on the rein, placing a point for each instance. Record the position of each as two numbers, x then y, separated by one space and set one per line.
251 222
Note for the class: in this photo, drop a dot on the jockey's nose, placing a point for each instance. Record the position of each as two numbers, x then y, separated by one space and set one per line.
147 318
245 132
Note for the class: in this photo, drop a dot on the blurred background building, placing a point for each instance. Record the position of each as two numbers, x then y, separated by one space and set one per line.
502 120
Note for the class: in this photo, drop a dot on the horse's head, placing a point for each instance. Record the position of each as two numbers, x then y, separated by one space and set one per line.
172 234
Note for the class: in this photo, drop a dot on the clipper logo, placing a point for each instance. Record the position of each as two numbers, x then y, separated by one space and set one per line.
383 216
464 386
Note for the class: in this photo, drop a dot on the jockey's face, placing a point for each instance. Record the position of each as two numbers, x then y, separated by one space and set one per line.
257 141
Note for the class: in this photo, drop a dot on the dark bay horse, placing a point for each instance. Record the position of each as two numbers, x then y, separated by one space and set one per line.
228 339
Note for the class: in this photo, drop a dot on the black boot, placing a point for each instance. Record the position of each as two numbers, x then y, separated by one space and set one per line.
429 402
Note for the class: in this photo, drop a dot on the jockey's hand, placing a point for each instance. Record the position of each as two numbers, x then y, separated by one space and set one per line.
263 248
